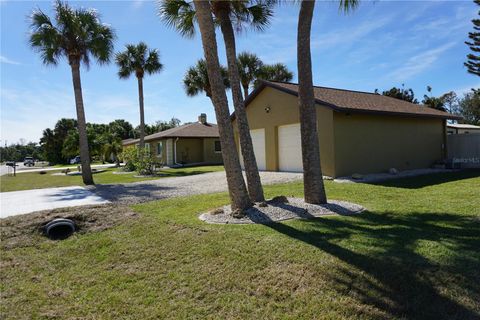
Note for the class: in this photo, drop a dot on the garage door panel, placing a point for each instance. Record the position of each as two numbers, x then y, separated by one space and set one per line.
290 148
258 141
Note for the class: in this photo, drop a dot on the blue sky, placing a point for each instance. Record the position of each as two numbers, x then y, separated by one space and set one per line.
380 45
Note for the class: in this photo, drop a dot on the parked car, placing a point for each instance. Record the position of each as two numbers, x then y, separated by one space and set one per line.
28 162
75 160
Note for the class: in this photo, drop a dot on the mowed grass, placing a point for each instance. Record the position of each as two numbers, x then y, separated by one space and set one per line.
35 180
415 254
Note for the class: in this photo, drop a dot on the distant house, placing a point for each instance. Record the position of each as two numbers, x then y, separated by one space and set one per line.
359 132
192 143
461 128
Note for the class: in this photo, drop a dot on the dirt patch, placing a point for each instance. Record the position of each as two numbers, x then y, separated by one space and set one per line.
27 230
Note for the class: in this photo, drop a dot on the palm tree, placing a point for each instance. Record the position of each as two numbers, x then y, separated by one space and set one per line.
275 72
182 15
252 69
78 35
111 146
196 80
138 59
256 14
236 185
249 67
314 190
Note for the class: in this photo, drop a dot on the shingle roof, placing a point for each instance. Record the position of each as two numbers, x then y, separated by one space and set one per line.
357 101
190 130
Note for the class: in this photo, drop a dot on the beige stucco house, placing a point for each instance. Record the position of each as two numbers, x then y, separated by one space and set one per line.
192 143
359 132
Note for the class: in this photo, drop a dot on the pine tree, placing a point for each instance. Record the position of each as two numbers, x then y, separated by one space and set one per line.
473 59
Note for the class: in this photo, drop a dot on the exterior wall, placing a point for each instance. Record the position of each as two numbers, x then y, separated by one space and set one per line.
375 143
169 152
283 111
189 150
209 154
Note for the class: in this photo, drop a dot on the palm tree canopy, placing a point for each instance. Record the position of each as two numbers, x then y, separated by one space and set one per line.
77 34
249 66
275 72
196 80
138 59
180 14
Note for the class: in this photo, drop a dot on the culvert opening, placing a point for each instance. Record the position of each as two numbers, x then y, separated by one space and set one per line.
59 229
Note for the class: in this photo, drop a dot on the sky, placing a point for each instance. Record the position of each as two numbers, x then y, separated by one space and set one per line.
380 45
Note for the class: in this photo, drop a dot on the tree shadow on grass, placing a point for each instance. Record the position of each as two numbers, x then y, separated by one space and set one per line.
418 182
389 273
132 192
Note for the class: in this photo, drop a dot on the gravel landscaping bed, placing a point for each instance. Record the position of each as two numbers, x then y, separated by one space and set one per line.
294 208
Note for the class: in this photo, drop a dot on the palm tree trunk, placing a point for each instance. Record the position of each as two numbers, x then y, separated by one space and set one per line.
314 189
142 113
254 184
82 125
236 185
245 90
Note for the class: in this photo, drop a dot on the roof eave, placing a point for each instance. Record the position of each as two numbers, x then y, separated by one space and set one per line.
264 84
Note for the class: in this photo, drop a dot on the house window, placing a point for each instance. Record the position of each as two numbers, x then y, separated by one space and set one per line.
218 146
159 148
147 146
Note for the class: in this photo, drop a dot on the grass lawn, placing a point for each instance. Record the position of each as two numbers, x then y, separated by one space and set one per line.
35 180
414 255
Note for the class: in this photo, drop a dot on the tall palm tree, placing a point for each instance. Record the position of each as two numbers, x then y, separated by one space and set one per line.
182 15
77 35
236 185
196 80
138 59
314 190
249 67
255 14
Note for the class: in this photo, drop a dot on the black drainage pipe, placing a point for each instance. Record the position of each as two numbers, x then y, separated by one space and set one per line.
59 229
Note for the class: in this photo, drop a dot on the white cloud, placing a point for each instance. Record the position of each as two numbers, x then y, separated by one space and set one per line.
419 63
138 3
347 36
4 59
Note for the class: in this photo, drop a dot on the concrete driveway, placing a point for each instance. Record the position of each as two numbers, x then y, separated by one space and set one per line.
26 201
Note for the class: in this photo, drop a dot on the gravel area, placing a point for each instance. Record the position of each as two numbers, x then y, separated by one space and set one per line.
295 208
378 177
204 183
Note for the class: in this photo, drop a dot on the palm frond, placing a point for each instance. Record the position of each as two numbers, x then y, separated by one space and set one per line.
178 14
347 6
77 34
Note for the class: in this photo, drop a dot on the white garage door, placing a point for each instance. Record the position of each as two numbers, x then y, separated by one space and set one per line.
290 148
258 141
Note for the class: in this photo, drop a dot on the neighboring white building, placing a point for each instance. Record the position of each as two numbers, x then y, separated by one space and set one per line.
461 128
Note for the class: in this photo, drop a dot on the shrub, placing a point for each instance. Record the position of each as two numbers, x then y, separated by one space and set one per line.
141 161
129 157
